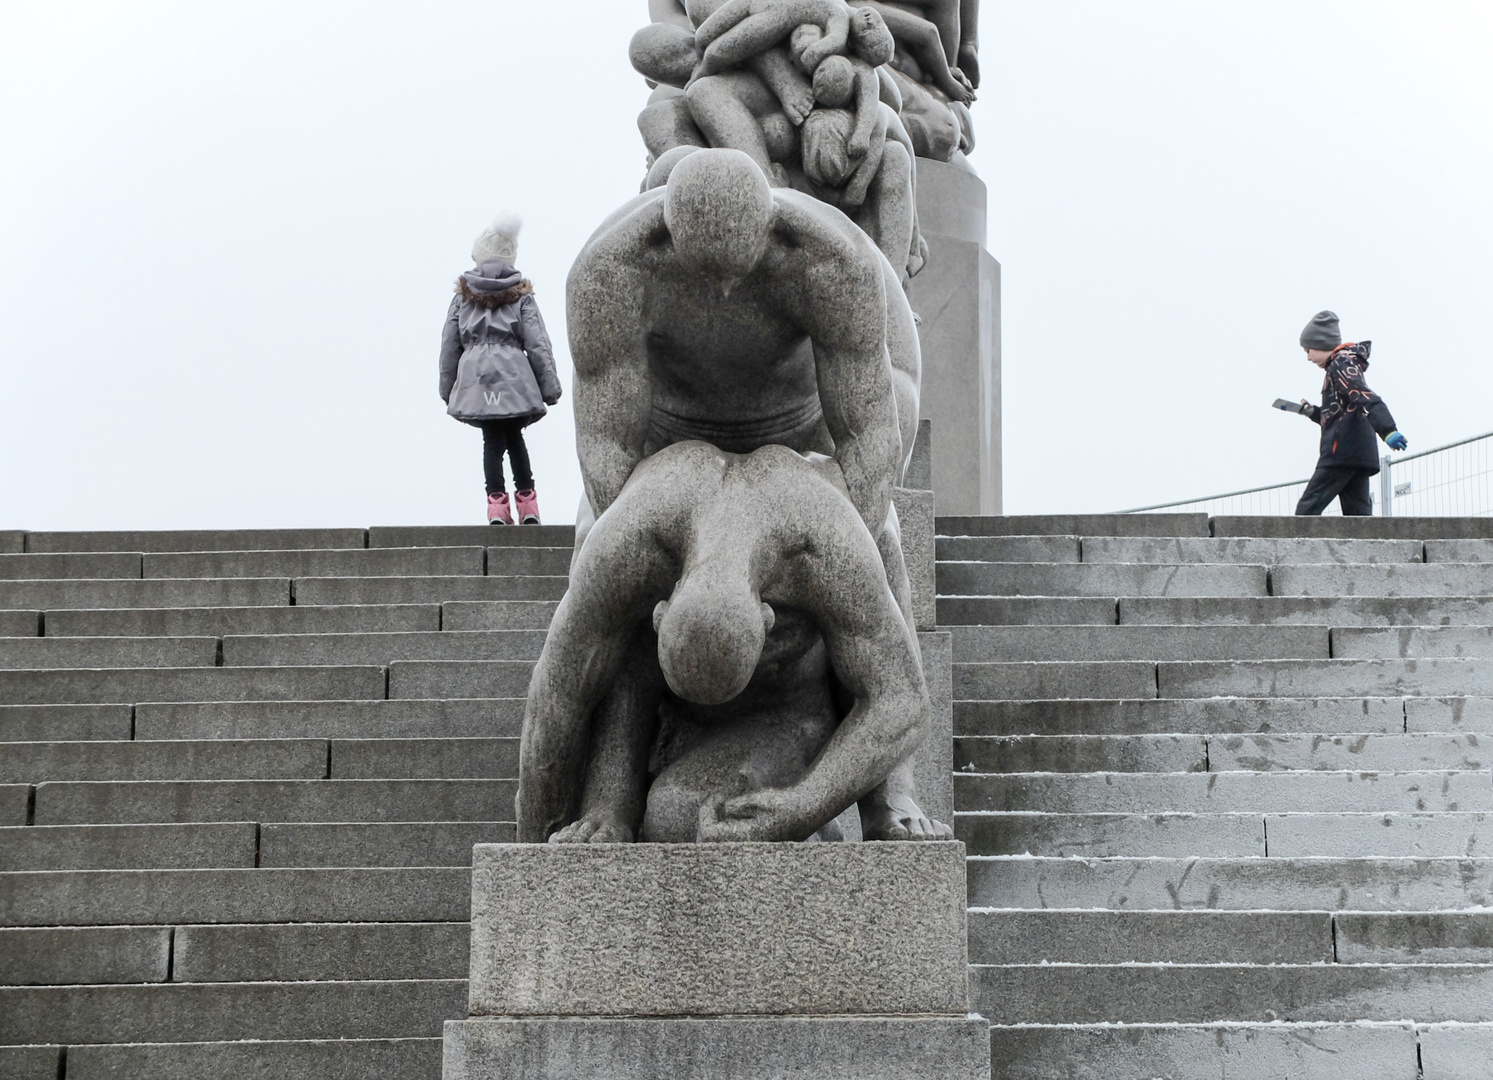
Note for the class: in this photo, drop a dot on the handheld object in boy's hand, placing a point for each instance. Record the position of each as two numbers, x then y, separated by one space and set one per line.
1289 406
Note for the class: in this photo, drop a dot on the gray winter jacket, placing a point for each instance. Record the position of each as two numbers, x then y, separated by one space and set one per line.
496 361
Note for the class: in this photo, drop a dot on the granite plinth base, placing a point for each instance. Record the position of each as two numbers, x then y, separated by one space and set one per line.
736 1048
718 929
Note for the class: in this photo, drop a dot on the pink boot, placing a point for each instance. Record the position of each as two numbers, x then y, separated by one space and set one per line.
528 507
497 509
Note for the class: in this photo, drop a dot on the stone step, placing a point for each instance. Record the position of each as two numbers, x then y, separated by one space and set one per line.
1105 579
146 801
316 952
1359 528
1076 525
1026 611
230 845
392 844
116 565
460 678
377 759
335 1059
1026 680
1210 993
1345 678
108 652
1219 793
1410 579
197 540
43 723
380 562
1316 610
161 593
20 624
468 535
1231 884
974 644
1103 835
1175 836
1216 716
1460 551
174 897
1080 753
432 718
200 845
1372 835
467 615
58 956
513 560
1150 937
229 1011
1464 937
1272 752
218 622
266 759
106 686
1043 549
15 800
383 648
12 541
1362 643
1369 753
1269 551
423 590
1271 1051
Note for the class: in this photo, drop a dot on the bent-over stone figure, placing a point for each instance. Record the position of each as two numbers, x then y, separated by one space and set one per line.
769 601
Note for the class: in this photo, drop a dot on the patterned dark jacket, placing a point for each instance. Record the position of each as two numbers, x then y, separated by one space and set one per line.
1350 413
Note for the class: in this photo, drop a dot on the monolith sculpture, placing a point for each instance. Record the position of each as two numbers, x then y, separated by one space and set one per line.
736 669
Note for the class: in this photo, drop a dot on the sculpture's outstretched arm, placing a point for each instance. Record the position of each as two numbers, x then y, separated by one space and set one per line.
921 38
619 573
613 387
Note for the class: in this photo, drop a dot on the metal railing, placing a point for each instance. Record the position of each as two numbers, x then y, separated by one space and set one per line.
1446 481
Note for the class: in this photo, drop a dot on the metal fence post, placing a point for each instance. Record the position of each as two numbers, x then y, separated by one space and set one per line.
1386 487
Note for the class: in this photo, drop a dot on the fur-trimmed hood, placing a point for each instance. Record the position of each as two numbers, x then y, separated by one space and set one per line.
492 284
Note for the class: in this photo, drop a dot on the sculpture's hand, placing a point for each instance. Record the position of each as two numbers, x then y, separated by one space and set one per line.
772 814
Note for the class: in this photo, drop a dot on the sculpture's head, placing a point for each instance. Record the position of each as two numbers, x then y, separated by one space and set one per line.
718 210
869 37
834 82
710 635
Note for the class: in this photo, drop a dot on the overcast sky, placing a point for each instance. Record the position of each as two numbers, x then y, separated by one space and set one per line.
228 235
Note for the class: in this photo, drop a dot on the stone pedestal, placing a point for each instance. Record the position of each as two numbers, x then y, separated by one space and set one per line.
958 298
720 961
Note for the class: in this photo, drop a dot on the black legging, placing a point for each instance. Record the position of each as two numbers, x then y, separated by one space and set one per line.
498 436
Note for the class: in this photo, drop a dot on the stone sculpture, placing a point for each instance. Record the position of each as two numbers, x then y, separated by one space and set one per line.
716 309
756 585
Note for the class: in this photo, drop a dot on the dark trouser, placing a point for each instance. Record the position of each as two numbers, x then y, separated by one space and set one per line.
1349 486
498 436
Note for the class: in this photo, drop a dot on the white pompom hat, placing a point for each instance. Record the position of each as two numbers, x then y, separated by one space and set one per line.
499 240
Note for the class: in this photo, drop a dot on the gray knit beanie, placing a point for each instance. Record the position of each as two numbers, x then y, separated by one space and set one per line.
1322 332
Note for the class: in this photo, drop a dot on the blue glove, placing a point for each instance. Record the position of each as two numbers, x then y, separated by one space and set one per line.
1396 441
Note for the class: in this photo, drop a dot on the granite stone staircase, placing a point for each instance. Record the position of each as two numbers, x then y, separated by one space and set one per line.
1223 792
1226 792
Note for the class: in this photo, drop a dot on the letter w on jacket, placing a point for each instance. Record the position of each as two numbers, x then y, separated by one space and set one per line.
496 358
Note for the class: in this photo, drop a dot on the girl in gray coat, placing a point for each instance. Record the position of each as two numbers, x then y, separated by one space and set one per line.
497 368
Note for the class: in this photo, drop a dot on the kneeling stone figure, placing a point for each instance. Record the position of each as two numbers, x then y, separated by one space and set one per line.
750 605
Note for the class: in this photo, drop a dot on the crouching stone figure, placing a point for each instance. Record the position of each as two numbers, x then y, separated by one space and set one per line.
772 678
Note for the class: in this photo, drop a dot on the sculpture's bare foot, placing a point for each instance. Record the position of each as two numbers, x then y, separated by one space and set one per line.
797 104
596 829
901 819
957 87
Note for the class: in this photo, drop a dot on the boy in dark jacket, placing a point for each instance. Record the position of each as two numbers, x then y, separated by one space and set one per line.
1350 414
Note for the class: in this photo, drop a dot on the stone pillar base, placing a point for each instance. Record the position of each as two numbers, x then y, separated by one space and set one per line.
736 1048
